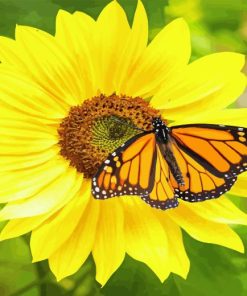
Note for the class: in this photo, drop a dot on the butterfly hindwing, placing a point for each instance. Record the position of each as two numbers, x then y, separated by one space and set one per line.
162 195
210 158
199 183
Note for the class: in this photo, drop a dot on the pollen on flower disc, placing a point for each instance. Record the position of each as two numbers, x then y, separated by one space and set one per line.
99 126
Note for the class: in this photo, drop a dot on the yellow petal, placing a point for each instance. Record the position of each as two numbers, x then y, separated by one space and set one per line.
146 239
18 137
66 23
59 227
87 49
22 184
26 129
205 230
73 253
53 196
12 162
220 210
216 101
53 69
23 147
20 226
235 117
22 94
200 80
75 33
239 187
133 49
9 53
218 85
112 32
165 56
109 247
178 259
7 112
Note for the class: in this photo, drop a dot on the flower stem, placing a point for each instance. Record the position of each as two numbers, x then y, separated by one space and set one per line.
42 275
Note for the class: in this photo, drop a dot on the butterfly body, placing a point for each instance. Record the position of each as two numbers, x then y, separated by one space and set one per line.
161 130
191 162
163 138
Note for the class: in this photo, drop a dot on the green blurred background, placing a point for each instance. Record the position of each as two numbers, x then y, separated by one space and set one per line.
216 25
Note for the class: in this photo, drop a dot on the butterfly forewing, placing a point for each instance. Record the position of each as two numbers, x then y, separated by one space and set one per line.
220 149
128 169
210 157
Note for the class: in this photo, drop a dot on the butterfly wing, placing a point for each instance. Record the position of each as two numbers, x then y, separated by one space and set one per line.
128 169
136 168
163 194
210 158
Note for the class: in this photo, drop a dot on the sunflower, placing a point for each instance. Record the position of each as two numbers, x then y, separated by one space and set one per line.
58 97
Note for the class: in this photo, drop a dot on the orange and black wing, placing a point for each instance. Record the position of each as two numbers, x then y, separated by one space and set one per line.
135 168
128 169
162 195
210 157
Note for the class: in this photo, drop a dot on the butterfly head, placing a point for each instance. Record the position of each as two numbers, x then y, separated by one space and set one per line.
160 129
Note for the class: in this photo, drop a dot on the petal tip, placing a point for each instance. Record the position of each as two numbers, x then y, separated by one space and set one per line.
3 237
62 12
240 248
180 22
111 8
59 278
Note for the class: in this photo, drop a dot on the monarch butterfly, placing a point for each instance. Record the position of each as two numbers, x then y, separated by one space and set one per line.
194 162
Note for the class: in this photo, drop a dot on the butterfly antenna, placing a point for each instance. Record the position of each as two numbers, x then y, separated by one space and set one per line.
125 123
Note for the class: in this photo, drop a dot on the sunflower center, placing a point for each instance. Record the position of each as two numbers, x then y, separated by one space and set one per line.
116 131
111 131
99 126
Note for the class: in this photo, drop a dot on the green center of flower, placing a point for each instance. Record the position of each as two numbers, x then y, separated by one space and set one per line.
99 126
110 132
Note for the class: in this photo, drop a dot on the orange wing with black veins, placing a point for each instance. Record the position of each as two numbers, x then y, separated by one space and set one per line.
210 157
128 169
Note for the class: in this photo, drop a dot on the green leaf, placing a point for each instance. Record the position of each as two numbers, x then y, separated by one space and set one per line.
16 269
226 14
40 14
